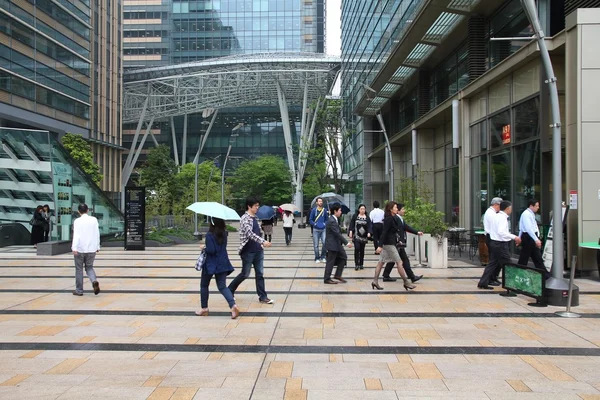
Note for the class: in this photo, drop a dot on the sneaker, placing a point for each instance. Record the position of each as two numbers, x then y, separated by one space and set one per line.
317 261
77 293
267 301
324 261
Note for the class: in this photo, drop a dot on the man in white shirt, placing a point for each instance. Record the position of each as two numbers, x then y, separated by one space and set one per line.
530 236
376 216
86 243
500 238
488 217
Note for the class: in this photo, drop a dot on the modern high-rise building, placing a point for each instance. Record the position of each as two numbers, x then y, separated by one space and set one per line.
169 32
60 71
462 93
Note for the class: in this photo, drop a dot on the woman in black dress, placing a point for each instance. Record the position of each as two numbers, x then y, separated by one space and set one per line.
359 231
37 227
46 215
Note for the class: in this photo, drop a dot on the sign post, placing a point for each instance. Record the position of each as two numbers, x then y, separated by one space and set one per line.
135 218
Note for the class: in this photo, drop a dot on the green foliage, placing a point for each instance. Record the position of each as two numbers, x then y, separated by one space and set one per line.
315 180
267 177
231 228
81 152
408 190
167 235
422 215
158 168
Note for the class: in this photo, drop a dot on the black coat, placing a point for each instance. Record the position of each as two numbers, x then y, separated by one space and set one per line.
391 224
403 227
334 240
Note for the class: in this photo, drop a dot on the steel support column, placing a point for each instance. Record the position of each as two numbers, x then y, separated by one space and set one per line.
184 145
175 150
287 132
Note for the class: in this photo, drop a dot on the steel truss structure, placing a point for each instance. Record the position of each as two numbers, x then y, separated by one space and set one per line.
270 79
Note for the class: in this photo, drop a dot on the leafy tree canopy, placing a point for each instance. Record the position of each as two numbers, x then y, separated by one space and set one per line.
267 177
158 168
81 152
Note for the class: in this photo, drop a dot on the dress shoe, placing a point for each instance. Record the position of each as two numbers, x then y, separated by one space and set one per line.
96 287
339 278
330 282
494 283
486 287
389 279
416 278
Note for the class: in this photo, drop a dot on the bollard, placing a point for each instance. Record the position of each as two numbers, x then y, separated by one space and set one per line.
420 264
568 313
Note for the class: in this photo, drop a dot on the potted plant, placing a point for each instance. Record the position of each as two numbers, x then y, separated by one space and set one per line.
423 216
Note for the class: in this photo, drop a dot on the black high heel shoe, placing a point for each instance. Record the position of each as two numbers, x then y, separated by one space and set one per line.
409 287
376 286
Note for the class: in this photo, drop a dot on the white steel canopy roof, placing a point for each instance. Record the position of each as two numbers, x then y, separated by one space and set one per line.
236 81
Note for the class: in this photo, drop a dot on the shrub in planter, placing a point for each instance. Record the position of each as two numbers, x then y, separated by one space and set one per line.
423 216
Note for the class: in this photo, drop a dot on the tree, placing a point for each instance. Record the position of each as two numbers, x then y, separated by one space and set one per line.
158 168
267 177
81 152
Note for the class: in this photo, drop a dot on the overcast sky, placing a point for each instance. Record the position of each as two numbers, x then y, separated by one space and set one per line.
334 30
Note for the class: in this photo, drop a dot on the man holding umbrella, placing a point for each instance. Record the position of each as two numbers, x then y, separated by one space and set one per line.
252 251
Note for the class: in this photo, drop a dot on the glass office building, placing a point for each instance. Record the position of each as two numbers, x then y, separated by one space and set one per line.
60 71
409 61
168 32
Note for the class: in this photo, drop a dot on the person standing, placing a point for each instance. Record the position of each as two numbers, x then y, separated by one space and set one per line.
376 217
267 227
46 215
37 226
387 249
359 231
488 220
529 232
86 243
334 243
218 265
252 251
318 219
288 225
500 238
403 227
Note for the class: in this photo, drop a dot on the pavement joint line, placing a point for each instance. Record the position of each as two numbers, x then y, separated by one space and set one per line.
229 278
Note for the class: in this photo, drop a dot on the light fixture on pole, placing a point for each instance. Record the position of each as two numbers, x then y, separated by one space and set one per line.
390 157
231 141
196 231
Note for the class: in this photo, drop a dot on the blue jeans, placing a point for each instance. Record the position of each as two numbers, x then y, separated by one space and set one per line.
319 235
221 285
248 260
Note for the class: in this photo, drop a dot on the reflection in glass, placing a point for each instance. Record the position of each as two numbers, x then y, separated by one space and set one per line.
527 121
527 177
479 185
498 125
500 175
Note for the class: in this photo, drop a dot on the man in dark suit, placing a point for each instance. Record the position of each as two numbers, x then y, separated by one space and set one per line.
401 246
334 244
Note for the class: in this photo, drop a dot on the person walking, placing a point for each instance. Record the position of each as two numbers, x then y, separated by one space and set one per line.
318 219
37 226
387 249
359 231
376 217
218 265
500 238
288 225
252 252
86 243
267 227
401 246
529 232
47 216
334 243
488 221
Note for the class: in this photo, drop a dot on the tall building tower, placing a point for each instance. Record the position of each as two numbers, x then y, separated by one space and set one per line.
60 70
169 32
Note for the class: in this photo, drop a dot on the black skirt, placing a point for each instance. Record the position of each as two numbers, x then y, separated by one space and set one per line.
37 234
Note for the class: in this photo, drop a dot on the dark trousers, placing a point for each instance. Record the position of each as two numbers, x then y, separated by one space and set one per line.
405 263
359 252
497 268
268 237
338 258
529 249
288 234
221 279
248 261
377 230
499 256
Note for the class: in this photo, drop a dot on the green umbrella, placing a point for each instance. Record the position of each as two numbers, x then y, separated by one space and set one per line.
215 210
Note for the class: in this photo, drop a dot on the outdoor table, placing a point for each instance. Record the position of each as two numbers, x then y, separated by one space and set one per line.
454 234
593 246
483 249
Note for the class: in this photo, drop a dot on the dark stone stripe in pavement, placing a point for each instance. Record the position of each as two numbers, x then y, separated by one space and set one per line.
230 277
207 348
276 314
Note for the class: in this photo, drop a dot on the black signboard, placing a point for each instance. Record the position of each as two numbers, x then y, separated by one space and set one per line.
135 218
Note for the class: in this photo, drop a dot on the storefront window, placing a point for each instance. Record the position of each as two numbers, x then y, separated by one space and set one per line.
501 175
500 130
527 122
479 138
527 177
479 184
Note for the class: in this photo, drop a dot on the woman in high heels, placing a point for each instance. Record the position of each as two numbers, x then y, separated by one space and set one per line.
217 264
387 249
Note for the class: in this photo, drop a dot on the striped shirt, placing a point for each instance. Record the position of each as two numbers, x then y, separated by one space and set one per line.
246 233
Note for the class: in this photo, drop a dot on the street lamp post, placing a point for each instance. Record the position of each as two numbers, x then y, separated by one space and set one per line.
388 150
231 140
196 232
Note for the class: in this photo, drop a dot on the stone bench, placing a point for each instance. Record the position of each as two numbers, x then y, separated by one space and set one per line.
53 248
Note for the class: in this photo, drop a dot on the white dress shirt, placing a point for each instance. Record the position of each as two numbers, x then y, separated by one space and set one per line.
499 230
86 235
528 224
376 216
488 218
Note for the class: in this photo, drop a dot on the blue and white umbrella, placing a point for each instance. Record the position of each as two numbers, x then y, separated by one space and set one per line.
215 210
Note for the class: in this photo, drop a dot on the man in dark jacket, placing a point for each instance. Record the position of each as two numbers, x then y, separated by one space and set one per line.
334 243
401 246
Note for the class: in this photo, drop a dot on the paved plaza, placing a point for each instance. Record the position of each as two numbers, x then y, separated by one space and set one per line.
140 339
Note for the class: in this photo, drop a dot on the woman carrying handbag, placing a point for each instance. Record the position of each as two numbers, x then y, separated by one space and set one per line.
216 263
360 231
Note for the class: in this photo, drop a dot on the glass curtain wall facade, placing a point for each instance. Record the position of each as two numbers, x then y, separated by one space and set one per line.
171 32
47 50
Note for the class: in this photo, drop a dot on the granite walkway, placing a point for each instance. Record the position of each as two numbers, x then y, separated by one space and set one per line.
140 339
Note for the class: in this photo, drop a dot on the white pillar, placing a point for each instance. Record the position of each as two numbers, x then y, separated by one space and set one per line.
175 150
287 132
184 149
